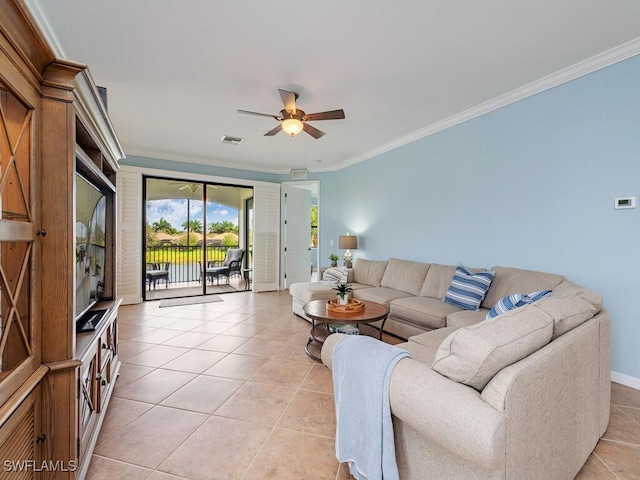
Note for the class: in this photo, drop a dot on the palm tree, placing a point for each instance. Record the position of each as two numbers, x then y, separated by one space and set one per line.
163 225
192 225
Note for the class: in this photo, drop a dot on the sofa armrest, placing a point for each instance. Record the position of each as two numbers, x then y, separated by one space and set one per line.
448 413
329 344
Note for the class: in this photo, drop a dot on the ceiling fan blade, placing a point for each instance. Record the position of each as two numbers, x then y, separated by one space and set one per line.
271 133
313 131
246 112
192 187
330 115
289 100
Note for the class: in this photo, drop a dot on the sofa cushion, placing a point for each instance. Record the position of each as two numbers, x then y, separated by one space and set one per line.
304 292
307 291
467 289
568 288
437 280
466 318
515 280
350 278
424 346
380 295
567 312
420 353
516 300
432 339
404 275
368 272
424 311
473 355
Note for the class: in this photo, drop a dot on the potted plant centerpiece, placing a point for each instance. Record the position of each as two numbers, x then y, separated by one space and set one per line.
343 290
334 259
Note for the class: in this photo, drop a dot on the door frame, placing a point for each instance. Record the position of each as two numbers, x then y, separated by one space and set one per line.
314 186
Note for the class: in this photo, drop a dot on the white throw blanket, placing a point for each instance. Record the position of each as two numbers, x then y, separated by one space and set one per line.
362 369
335 275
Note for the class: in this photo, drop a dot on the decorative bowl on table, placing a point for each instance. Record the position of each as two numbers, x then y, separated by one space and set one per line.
354 306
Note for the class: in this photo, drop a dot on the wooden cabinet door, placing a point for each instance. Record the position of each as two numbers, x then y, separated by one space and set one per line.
19 292
19 443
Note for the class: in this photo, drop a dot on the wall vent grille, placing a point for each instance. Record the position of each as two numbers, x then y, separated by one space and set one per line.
231 140
300 174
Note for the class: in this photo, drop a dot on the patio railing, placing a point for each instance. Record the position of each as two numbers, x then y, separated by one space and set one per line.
183 260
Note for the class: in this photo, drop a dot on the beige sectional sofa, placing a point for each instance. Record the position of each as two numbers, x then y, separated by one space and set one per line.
524 395
414 292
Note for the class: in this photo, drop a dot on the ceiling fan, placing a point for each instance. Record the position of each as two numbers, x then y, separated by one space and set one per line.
192 187
293 120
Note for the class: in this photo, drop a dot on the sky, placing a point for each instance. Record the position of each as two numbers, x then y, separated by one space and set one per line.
174 211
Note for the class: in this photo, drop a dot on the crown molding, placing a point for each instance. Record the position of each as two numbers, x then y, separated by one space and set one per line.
45 28
580 69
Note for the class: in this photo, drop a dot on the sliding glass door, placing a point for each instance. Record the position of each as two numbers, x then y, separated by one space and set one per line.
193 231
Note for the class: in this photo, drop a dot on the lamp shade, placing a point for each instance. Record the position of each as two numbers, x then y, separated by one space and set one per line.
347 242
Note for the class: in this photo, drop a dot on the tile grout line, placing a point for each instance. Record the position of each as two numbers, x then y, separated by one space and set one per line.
606 465
128 423
151 470
275 424
158 404
208 415
620 442
629 417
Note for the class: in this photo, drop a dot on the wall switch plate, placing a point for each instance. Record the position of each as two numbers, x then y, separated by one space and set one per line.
625 202
331 243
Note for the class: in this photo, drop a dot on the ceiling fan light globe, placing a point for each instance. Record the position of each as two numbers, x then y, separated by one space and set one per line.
292 126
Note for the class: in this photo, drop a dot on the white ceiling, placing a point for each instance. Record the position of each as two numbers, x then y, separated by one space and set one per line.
177 71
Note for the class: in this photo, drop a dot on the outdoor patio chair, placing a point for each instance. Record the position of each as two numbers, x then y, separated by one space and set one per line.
156 272
232 265
207 272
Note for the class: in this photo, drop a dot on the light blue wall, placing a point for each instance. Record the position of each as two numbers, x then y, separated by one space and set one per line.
531 185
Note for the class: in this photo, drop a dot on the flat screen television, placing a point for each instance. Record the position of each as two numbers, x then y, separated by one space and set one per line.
90 245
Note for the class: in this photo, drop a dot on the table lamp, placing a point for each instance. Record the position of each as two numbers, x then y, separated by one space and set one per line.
347 242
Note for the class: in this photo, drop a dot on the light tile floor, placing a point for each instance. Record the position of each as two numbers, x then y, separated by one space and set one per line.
225 391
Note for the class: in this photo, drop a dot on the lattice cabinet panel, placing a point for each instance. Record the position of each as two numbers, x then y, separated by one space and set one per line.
17 231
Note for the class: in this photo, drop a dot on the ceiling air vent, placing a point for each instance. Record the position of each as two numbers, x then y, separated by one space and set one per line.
300 174
232 140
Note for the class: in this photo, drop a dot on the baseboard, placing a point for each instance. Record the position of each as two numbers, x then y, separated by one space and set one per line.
626 380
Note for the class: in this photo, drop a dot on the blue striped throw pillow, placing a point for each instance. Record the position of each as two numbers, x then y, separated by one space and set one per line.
515 301
467 290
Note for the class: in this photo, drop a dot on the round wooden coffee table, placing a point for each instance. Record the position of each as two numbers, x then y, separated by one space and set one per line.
322 321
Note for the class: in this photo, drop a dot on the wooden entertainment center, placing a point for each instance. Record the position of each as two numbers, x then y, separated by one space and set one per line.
55 385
